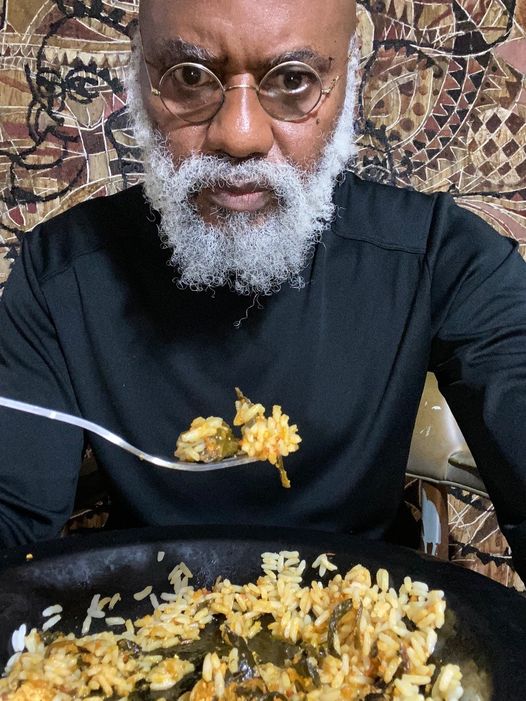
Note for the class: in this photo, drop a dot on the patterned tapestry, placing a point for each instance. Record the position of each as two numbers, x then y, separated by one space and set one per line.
442 106
443 102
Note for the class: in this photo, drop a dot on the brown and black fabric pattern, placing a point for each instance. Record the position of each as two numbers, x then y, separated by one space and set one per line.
442 106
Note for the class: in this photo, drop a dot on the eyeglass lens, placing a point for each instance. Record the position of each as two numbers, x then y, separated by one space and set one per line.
287 92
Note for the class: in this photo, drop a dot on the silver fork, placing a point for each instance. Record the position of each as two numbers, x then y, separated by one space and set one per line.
117 440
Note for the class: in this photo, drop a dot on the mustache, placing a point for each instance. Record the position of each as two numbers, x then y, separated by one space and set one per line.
201 172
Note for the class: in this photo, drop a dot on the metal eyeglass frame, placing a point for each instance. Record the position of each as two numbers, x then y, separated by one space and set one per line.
157 92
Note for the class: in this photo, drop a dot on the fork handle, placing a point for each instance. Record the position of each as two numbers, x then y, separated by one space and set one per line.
117 440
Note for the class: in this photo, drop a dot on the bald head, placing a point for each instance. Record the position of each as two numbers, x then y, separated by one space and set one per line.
344 11
256 30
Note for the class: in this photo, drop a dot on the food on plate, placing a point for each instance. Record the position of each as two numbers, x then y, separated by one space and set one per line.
265 438
285 636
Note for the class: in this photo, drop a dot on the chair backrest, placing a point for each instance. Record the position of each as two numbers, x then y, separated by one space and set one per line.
439 453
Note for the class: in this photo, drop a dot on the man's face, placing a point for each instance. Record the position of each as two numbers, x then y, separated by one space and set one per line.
245 38
243 198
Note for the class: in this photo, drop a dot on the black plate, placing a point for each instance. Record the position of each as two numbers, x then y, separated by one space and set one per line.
487 637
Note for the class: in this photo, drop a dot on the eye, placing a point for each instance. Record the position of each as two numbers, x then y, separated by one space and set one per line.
293 80
191 76
290 80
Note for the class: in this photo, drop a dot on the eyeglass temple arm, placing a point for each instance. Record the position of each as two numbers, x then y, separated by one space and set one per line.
328 90
154 91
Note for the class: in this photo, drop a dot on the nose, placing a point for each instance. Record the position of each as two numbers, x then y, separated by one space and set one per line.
241 129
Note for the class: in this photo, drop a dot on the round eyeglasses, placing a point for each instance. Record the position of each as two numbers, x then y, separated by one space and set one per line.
288 92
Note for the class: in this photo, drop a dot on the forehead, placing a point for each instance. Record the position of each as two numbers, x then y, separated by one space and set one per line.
245 31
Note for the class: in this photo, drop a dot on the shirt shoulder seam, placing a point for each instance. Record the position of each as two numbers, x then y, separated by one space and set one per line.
50 275
384 244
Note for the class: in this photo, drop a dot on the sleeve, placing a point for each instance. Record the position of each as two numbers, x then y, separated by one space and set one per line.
478 354
40 458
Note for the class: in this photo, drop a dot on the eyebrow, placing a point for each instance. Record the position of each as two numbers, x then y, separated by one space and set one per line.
170 51
321 63
177 50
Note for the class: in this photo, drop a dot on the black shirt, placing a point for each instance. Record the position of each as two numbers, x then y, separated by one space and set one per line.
92 323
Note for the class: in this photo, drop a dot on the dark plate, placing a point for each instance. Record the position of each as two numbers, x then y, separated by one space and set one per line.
486 635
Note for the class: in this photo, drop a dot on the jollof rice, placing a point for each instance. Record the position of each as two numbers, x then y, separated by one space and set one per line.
355 637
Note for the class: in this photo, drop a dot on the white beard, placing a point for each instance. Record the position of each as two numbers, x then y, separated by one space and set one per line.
252 253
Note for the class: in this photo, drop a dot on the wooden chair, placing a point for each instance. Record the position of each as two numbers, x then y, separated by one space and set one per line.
439 458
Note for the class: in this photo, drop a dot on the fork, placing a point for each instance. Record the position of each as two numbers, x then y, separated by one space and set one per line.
117 440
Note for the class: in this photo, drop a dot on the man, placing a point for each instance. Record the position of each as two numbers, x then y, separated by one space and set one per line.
278 272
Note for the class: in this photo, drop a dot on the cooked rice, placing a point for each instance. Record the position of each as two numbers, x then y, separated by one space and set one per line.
264 438
18 638
115 621
130 628
114 601
353 638
52 610
94 609
11 661
140 595
51 622
323 564
86 625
